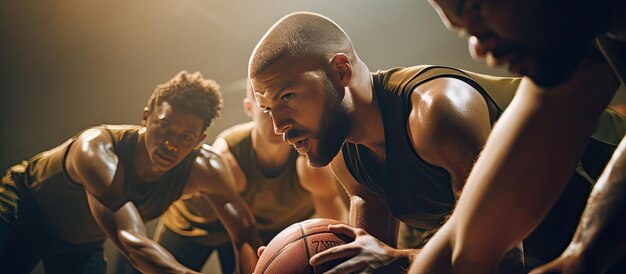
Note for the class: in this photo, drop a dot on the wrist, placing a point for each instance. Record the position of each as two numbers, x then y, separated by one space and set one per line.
403 257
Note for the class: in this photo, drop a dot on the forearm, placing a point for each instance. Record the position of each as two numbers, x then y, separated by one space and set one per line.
526 163
241 227
146 255
375 219
599 239
126 230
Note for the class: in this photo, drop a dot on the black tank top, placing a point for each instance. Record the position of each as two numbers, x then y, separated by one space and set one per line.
63 203
276 202
415 191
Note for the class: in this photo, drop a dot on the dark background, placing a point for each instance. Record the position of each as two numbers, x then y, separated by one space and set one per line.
70 64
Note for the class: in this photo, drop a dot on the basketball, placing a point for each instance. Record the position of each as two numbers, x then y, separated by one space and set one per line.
289 252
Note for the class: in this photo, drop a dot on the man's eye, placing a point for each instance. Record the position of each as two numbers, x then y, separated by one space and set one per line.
287 97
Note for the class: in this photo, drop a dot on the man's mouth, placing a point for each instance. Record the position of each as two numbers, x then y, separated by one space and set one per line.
164 158
302 146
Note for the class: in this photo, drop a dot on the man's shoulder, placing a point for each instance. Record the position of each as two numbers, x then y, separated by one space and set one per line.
236 134
207 152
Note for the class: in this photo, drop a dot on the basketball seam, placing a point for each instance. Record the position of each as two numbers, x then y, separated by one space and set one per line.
306 247
269 262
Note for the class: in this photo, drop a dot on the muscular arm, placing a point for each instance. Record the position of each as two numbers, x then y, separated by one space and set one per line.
92 161
212 176
367 211
322 185
448 125
522 170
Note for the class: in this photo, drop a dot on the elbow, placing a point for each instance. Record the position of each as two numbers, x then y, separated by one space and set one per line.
130 240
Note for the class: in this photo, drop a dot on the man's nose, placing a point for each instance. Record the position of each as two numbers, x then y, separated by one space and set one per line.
170 145
281 123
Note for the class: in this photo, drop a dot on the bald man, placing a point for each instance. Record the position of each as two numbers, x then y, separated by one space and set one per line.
401 141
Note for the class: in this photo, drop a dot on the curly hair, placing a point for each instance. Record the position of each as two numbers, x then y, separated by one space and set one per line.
191 93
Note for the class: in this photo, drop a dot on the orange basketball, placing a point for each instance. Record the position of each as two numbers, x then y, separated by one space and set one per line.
289 252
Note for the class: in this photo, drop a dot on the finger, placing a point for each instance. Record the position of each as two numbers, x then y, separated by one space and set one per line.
333 253
344 229
347 267
260 250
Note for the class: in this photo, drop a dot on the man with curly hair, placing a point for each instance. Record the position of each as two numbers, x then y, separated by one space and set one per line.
59 206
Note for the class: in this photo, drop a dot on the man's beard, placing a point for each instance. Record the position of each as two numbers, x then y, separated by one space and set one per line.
334 126
554 67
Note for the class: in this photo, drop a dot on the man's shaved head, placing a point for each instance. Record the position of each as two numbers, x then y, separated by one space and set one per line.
300 34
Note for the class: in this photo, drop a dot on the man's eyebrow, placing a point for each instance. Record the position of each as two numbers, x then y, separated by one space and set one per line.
274 93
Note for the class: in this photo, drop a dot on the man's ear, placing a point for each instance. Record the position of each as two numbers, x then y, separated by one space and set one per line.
341 67
248 104
145 114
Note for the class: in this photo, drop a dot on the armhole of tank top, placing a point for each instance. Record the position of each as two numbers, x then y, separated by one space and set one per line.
468 80
348 161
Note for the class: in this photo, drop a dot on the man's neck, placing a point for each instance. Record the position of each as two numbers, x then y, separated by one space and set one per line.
367 126
143 165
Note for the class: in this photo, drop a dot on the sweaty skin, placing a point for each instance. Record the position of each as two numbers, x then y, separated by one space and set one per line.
292 91
559 101
169 136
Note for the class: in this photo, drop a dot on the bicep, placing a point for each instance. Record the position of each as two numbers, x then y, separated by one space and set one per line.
533 149
92 162
450 128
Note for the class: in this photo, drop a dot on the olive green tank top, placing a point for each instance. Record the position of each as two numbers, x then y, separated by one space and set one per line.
276 202
415 191
63 202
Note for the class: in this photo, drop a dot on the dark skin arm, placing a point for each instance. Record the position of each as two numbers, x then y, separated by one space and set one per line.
372 249
502 206
92 162
450 124
212 176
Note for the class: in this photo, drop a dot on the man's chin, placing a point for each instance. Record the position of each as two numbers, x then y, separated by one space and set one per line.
547 78
552 69
317 162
